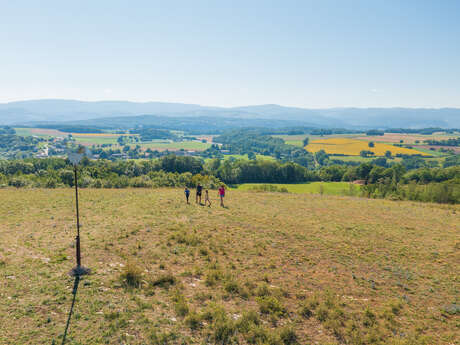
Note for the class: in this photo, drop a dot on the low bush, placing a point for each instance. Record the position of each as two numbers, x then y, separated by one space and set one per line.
232 286
288 336
193 321
271 305
212 277
163 280
131 277
180 305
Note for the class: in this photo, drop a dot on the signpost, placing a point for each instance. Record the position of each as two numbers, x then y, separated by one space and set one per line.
75 158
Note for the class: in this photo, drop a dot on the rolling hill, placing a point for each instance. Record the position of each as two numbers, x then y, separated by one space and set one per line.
272 268
71 110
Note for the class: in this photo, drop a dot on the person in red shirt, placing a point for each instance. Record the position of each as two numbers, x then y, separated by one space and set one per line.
222 195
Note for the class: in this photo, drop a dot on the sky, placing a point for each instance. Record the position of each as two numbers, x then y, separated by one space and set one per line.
311 54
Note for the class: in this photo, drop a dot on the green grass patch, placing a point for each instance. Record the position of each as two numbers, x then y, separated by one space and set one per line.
328 188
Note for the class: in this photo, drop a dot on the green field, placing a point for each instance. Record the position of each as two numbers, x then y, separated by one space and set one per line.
186 145
271 268
434 153
25 132
95 140
330 188
112 140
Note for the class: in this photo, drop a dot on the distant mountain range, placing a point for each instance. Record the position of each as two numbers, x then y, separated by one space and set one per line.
72 111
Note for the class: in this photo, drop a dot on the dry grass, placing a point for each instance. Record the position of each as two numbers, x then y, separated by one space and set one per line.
353 147
270 269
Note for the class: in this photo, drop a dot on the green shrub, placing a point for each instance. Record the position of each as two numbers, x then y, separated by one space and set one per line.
288 336
255 335
322 313
271 305
223 331
214 312
185 238
162 338
263 290
369 318
306 311
193 320
212 277
232 286
131 277
222 328
247 321
180 305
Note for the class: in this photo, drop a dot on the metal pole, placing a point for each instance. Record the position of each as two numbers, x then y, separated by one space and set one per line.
79 269
78 218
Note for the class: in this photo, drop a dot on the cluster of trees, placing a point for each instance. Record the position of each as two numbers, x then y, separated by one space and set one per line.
14 146
447 191
424 131
253 141
7 130
299 130
250 171
374 132
57 172
149 133
126 139
451 161
105 151
440 185
448 142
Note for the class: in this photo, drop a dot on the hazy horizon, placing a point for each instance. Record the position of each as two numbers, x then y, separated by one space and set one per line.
218 106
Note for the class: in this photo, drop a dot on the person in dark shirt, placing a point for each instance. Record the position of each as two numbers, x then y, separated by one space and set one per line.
187 194
199 190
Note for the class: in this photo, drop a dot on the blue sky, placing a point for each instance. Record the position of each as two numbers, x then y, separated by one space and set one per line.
313 54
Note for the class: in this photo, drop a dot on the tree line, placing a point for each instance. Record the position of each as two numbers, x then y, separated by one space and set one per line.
395 181
448 142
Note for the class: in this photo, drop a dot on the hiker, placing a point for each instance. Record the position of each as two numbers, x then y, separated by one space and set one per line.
222 195
199 189
206 198
187 194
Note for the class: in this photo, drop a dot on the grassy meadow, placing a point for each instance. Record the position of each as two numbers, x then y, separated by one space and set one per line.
328 188
272 268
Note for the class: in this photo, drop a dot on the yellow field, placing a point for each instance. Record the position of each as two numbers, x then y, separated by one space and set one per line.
352 147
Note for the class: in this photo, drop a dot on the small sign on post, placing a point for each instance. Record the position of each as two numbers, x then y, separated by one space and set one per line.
75 158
